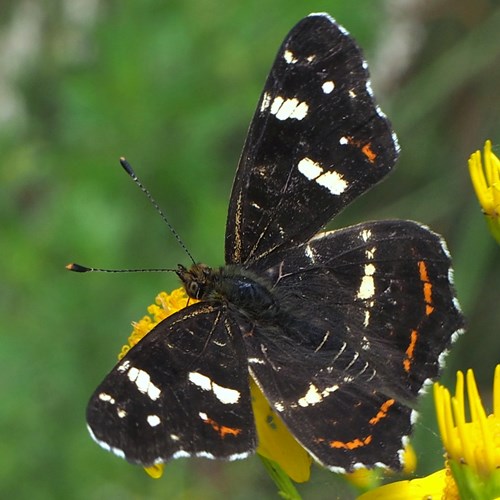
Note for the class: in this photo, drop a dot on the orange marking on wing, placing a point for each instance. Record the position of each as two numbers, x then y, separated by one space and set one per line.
365 149
368 152
410 351
222 430
384 409
422 269
351 445
424 277
428 297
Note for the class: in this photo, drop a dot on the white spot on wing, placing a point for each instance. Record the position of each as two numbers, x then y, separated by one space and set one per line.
366 234
343 140
226 395
309 168
107 398
329 390
202 381
311 397
153 420
352 94
333 181
121 412
266 100
314 395
367 286
223 394
328 87
276 105
289 108
256 361
310 254
370 253
143 382
124 366
279 406
366 322
289 57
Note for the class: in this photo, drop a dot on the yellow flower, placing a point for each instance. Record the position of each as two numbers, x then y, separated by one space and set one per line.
275 441
427 488
473 448
486 181
472 468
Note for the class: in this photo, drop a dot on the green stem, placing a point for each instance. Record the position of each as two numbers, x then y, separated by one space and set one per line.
286 489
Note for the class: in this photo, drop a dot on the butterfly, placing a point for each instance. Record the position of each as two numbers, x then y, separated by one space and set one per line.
341 330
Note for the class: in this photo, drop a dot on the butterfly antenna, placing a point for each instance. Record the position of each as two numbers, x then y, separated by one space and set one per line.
128 168
78 268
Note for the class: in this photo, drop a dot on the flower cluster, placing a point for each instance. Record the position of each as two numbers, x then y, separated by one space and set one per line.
485 175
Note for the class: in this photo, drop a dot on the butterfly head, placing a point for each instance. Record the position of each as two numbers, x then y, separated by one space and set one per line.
197 280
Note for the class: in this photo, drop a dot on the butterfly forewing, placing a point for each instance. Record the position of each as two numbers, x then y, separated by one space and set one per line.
181 391
316 142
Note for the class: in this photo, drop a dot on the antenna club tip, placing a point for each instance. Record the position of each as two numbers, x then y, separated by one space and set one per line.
77 268
127 167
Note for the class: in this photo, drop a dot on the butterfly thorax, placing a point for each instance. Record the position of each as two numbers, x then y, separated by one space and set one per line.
233 286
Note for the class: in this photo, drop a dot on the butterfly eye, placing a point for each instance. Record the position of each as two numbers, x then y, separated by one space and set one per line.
193 289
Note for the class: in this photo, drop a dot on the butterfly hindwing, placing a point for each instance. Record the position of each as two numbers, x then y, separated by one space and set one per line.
316 142
370 308
181 391
385 285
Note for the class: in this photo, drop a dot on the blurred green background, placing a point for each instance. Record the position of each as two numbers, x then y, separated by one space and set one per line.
172 86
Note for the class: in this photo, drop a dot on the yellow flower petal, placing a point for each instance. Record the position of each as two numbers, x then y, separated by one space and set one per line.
485 176
428 488
472 446
275 441
155 471
477 442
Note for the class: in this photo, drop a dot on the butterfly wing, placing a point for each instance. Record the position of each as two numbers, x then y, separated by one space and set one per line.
369 310
181 391
316 142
